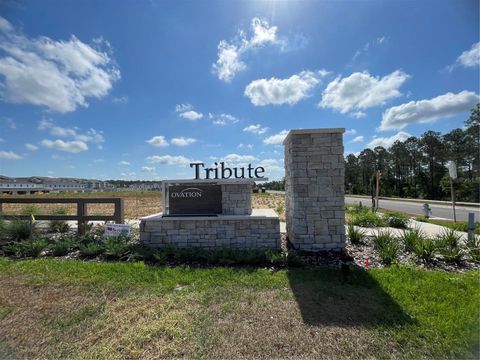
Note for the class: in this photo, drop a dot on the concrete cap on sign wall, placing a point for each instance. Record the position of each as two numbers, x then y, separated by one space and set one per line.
313 131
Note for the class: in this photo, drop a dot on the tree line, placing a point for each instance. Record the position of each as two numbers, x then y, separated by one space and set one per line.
416 167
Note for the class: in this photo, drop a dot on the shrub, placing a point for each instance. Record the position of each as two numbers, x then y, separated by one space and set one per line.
355 235
30 209
17 230
425 249
396 219
387 246
59 226
62 247
91 249
449 246
367 219
26 248
116 247
411 237
473 248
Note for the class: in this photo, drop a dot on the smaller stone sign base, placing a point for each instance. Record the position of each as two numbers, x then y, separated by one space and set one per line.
260 230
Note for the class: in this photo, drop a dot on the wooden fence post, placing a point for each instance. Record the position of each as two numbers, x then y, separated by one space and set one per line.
119 211
81 213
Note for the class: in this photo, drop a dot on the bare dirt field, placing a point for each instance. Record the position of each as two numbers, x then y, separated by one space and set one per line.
137 204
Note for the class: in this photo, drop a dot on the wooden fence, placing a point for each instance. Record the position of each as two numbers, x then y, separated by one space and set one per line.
81 217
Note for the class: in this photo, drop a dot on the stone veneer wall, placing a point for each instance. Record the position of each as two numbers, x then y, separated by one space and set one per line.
314 189
236 199
248 232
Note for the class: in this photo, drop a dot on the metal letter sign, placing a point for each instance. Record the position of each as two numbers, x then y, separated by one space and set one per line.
195 199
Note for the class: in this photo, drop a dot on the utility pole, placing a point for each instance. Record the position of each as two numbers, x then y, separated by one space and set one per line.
377 188
452 171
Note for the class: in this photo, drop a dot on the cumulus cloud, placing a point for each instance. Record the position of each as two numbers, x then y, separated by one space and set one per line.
148 169
386 142
67 146
468 58
248 146
229 61
361 91
359 138
350 132
169 160
223 119
158 141
183 107
183 141
191 115
123 162
31 147
283 91
235 158
256 129
425 111
276 139
59 75
9 155
272 165
91 135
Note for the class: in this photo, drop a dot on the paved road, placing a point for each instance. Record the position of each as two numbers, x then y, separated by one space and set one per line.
414 208
438 210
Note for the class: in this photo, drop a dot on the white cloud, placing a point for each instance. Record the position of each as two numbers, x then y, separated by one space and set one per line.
425 111
359 138
248 146
9 155
183 107
123 162
158 141
91 135
98 161
235 158
169 160
386 142
120 99
276 139
272 165
31 147
67 146
59 75
370 45
256 129
350 132
470 58
223 119
361 91
283 91
148 169
229 61
191 115
183 141
128 174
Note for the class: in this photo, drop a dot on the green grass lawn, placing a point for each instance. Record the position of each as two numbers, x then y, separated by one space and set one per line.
71 309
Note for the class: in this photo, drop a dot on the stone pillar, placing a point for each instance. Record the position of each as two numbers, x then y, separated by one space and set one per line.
314 189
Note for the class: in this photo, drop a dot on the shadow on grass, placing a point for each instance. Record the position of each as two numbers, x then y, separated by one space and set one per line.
332 297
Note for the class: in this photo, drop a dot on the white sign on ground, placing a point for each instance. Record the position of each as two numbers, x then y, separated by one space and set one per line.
117 230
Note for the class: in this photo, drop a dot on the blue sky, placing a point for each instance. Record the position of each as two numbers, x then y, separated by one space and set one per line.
138 89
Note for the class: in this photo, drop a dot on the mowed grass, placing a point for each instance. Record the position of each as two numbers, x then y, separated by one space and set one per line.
70 309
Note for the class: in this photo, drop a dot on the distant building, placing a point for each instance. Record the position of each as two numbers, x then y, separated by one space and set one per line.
34 185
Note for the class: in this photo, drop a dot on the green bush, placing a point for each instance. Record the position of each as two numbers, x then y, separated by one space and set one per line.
26 248
91 249
367 219
116 247
411 237
449 246
60 226
63 246
355 235
17 230
473 248
425 249
30 209
387 246
396 219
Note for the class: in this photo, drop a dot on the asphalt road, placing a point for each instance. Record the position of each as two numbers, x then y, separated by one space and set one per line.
414 208
438 210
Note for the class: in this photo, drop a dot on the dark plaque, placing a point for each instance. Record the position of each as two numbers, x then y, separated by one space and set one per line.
195 199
